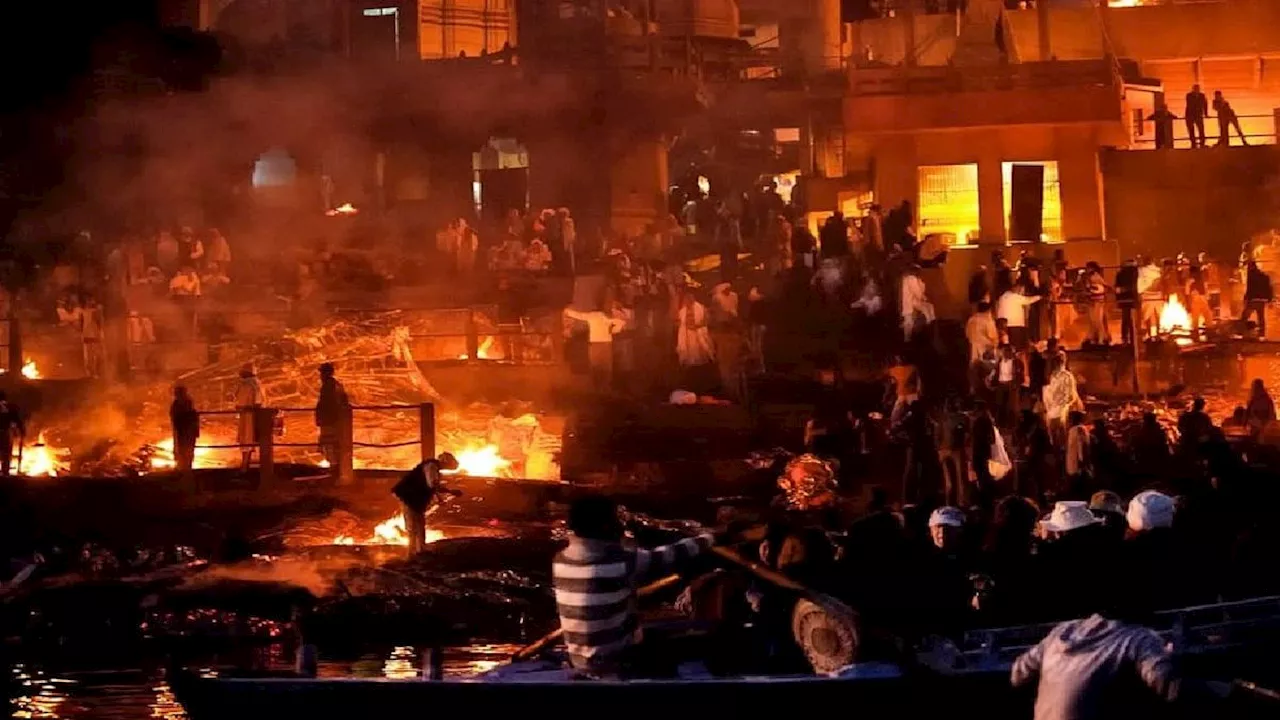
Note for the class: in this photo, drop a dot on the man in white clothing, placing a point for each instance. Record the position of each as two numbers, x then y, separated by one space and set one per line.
1152 297
917 311
601 328
980 330
1012 308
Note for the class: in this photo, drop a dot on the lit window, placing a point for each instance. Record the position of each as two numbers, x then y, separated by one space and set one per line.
949 203
1051 208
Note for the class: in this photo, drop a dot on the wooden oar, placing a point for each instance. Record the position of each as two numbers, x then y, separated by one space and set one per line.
773 577
551 638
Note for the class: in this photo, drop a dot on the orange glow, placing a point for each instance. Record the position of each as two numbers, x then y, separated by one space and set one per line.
30 371
482 352
162 457
388 532
343 209
481 461
40 460
1174 318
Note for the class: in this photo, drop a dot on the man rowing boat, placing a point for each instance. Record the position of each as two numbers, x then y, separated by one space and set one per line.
595 581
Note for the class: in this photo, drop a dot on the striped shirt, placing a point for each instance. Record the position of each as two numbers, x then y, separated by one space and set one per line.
595 583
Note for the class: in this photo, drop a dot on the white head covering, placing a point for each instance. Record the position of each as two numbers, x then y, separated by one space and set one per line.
1149 510
950 516
1069 515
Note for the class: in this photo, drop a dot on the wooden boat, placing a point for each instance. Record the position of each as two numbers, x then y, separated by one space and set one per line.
1215 640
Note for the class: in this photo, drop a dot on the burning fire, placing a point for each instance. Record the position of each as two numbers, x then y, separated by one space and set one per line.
1174 318
29 370
482 352
343 209
40 460
162 456
388 532
481 461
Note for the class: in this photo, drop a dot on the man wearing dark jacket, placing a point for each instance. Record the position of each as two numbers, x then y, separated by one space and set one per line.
1196 111
417 492
331 413
1257 294
1127 298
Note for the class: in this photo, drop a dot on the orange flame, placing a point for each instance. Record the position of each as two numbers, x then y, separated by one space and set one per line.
1174 318
343 209
40 460
388 532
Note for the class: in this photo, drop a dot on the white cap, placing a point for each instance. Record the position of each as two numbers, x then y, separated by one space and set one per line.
1069 515
950 516
1149 510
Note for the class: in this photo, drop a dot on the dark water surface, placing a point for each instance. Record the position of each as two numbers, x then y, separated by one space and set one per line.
37 692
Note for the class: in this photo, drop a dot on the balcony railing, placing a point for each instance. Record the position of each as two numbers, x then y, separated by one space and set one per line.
1019 76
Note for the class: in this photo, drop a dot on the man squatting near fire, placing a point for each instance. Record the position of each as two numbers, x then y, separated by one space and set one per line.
418 491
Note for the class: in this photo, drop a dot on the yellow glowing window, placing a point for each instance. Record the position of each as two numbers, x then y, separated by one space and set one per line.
948 202
1051 208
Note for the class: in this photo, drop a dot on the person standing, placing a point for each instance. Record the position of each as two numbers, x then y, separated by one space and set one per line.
1096 287
1127 299
1227 119
983 437
12 430
601 328
249 399
331 414
1152 296
1194 114
1012 308
417 492
694 348
1163 119
1061 396
980 330
185 422
1257 295
91 333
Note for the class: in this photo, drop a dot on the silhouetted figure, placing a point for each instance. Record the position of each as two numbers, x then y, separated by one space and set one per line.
1257 295
185 422
1163 120
1196 111
1226 120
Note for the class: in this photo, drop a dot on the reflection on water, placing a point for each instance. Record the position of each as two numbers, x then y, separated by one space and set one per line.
138 695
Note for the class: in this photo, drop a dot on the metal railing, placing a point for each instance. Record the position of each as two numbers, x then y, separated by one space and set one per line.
1183 140
1190 630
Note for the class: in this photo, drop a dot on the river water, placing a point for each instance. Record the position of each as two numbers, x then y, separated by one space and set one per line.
50 693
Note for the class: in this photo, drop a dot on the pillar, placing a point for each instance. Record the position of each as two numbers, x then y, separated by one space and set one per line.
828 35
344 471
1042 30
1080 184
908 19
639 179
427 430
264 426
991 218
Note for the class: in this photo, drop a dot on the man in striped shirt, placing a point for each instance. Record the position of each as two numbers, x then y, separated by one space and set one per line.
595 580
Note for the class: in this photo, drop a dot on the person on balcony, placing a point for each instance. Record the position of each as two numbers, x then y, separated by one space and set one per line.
1163 119
185 422
332 410
1227 119
1196 111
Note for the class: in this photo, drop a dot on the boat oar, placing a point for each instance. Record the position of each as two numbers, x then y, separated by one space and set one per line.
1258 690
551 638
773 577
